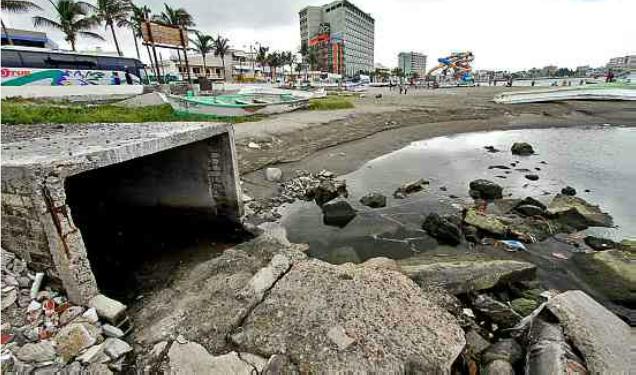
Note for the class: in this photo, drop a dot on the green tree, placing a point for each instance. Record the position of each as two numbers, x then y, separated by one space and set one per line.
221 48
175 17
312 58
261 56
274 61
16 6
72 18
112 12
134 21
203 44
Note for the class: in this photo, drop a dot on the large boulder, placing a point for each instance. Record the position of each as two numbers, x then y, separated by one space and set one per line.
486 189
273 174
229 287
548 352
522 148
465 273
338 212
600 336
373 200
351 319
441 229
577 213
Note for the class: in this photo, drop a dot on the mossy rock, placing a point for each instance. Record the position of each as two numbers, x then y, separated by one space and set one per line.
524 306
610 272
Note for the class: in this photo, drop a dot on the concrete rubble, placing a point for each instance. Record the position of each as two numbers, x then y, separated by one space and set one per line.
47 333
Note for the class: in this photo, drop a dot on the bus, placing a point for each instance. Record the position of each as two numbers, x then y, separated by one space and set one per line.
29 66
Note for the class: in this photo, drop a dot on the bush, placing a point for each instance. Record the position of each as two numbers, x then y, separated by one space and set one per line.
330 103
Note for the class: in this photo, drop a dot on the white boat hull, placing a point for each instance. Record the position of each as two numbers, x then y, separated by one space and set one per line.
182 104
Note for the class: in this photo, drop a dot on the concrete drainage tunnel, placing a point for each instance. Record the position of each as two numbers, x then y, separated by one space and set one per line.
137 211
138 219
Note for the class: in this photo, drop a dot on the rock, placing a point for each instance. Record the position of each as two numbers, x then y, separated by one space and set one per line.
91 315
475 344
529 201
524 306
98 369
603 339
496 311
388 316
485 222
338 212
50 369
210 320
108 308
498 167
339 337
442 230
491 149
273 174
71 313
599 244
578 213
486 189
373 200
532 177
192 358
505 349
548 352
471 234
465 274
499 367
253 145
381 263
73 338
279 365
9 298
528 210
115 348
265 278
568 190
410 188
94 354
112 331
522 148
40 352
328 191
20 367
628 245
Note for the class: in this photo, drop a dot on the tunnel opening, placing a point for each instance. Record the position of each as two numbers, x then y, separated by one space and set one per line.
144 220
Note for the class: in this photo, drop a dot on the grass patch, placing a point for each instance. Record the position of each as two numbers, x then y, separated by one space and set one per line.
330 103
26 112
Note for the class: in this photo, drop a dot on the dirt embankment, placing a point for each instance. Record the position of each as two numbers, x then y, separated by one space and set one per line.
347 139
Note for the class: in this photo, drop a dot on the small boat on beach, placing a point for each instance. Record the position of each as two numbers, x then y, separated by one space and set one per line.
234 105
592 92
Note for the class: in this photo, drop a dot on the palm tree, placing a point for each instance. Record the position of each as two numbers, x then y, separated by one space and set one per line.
203 44
312 57
111 12
274 61
304 51
261 57
16 6
221 48
72 19
134 22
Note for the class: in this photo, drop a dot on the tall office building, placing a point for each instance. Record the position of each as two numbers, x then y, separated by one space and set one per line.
343 35
412 62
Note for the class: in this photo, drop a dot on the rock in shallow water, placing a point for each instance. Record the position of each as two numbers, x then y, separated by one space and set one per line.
599 244
373 200
578 213
522 148
441 229
338 212
486 189
410 188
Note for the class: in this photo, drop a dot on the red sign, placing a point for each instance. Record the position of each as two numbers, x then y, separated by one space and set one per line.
9 73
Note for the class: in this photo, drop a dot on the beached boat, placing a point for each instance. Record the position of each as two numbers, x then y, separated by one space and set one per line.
235 105
593 92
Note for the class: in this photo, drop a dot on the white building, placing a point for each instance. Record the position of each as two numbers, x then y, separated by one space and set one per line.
412 62
239 65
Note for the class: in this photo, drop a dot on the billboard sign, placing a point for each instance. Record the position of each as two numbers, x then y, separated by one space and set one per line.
159 34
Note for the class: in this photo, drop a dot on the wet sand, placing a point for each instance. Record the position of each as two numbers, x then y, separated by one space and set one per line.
343 140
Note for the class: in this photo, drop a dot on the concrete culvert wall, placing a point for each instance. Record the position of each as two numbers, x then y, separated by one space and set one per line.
89 203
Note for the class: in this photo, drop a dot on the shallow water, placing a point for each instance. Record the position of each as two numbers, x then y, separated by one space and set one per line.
601 159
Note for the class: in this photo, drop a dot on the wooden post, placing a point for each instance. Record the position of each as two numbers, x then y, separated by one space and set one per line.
154 52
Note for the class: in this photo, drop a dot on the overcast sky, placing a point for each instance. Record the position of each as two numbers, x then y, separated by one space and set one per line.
503 34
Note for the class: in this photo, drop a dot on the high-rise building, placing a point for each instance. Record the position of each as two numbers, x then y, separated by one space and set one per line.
627 63
343 35
412 62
